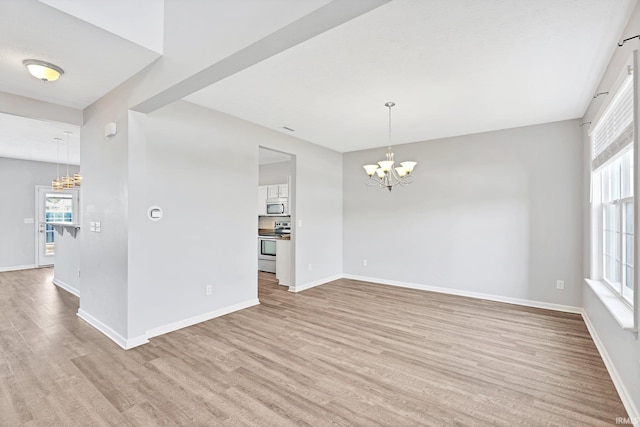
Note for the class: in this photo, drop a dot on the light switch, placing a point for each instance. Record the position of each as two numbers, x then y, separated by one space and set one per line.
98 227
92 226
28 220
154 213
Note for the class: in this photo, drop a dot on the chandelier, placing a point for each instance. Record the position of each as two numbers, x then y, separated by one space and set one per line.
67 181
384 174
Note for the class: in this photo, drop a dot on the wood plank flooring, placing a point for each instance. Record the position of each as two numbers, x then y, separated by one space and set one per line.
346 353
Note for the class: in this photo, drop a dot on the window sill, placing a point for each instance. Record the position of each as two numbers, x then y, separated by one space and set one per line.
620 311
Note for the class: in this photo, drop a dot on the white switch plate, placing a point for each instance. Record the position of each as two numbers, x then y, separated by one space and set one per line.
28 220
560 284
92 226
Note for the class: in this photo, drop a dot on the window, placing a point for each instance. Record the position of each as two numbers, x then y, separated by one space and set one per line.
58 208
617 224
613 192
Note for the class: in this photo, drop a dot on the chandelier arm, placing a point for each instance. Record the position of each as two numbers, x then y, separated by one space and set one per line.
372 182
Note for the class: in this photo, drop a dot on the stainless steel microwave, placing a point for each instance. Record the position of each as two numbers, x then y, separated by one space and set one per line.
278 206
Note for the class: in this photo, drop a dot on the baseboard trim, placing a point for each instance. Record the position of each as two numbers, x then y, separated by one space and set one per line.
59 283
627 401
110 333
170 327
304 287
478 295
18 267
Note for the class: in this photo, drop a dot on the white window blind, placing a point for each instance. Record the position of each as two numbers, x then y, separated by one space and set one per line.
614 130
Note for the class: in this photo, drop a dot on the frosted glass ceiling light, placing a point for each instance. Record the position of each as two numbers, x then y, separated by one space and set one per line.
386 175
43 70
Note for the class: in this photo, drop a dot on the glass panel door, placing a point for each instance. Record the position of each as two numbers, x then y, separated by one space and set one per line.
52 208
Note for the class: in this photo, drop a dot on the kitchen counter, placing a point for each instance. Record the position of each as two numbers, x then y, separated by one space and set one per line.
266 232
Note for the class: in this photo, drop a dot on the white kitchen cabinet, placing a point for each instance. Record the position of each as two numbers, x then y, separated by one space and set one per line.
283 262
283 190
262 199
278 191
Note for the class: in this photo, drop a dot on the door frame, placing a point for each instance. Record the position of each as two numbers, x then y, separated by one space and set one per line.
36 223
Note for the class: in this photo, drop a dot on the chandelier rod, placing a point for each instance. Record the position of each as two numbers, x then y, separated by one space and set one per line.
57 157
389 105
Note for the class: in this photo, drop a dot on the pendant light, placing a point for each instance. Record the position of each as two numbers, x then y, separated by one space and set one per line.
385 174
67 180
56 184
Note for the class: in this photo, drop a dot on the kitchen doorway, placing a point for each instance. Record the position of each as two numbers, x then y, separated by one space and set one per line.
276 217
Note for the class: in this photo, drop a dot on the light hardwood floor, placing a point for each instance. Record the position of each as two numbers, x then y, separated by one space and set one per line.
345 353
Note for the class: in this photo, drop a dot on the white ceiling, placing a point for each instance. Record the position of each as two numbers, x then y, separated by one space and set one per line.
95 61
453 67
29 139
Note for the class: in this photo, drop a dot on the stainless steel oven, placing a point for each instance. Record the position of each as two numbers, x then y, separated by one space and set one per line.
267 254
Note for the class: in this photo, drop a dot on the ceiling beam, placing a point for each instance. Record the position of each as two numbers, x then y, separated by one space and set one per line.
323 19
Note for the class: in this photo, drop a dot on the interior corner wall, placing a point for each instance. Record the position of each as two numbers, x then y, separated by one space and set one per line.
201 168
103 259
496 213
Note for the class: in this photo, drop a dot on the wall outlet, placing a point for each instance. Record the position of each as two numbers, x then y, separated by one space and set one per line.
208 290
364 262
559 284
310 267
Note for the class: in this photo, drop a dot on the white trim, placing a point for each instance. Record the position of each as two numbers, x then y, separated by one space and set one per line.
627 401
490 297
300 288
18 267
170 327
618 309
110 333
161 330
67 287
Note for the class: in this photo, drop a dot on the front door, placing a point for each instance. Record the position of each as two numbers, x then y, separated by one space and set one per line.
51 207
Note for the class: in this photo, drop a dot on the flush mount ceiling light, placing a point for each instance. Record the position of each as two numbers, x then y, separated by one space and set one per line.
43 70
385 174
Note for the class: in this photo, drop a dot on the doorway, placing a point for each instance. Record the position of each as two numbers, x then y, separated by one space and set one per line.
52 207
276 188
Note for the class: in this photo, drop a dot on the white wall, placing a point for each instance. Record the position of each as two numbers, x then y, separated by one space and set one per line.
20 178
67 263
32 108
140 277
275 173
619 347
103 261
496 213
201 169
